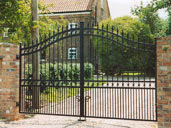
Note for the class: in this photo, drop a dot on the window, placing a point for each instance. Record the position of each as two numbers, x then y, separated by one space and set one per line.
5 32
72 53
72 26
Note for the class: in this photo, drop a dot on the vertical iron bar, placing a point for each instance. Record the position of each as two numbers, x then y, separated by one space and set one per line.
139 103
111 100
112 52
90 54
82 69
66 57
148 91
122 51
128 102
138 61
28 67
95 101
100 103
49 88
57 66
62 71
32 79
136 104
143 102
139 77
117 56
133 81
53 70
20 78
155 52
107 53
102 49
97 54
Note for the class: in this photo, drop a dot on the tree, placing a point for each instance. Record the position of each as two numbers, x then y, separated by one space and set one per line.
165 4
11 13
16 15
129 25
120 55
149 16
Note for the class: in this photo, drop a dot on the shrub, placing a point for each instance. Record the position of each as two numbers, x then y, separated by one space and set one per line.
56 73
124 49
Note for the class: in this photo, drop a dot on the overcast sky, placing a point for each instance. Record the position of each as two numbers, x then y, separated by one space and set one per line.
123 7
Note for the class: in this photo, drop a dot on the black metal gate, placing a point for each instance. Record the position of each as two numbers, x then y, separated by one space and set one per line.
89 71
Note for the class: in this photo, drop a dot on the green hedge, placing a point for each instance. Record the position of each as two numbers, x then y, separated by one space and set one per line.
59 72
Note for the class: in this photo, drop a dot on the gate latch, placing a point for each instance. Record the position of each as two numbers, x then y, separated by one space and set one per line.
86 98
17 57
17 104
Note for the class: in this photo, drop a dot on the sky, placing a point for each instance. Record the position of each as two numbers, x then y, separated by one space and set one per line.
120 8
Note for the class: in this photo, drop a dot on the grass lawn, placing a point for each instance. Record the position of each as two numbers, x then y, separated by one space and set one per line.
132 74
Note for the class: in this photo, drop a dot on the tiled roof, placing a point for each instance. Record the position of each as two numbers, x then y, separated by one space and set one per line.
67 5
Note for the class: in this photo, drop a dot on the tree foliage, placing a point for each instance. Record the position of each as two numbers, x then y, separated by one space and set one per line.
16 15
149 16
129 25
119 52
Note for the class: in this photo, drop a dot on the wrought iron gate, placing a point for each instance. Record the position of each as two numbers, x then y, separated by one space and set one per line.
88 71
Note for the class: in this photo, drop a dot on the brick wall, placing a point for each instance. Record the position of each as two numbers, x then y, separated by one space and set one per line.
9 81
164 82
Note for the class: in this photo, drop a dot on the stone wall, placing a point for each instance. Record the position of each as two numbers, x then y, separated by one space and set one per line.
9 82
164 82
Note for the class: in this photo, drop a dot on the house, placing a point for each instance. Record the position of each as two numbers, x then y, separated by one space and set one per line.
77 11
74 12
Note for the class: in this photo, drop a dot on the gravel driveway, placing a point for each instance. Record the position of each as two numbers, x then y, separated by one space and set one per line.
46 121
49 121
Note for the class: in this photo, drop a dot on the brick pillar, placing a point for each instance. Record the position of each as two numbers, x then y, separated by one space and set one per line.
9 81
164 82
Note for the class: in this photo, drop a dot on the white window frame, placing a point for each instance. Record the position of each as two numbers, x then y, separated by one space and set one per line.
5 32
74 25
71 52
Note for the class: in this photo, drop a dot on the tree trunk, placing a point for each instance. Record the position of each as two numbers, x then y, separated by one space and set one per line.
36 57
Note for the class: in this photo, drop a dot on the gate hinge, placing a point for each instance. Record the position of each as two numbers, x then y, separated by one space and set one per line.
17 57
17 104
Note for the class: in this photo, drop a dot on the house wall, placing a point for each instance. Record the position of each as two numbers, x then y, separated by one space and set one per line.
103 12
77 18
60 50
